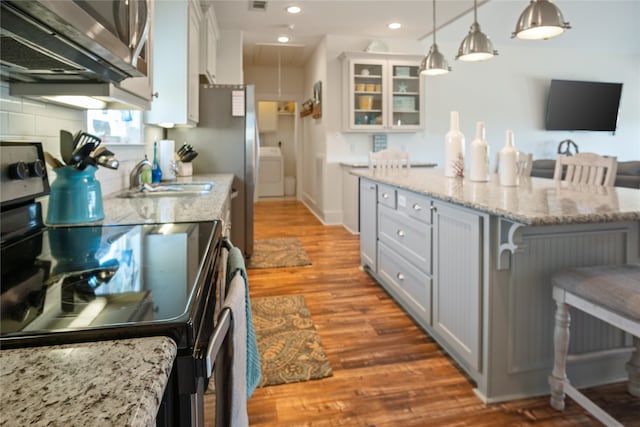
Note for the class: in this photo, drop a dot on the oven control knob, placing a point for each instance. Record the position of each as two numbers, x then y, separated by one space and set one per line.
18 170
36 169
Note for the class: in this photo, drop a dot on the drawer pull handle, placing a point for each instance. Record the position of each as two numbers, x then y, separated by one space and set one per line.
417 207
400 233
372 187
400 276
385 196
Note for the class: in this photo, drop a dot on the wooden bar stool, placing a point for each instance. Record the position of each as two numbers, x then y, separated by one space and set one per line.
610 293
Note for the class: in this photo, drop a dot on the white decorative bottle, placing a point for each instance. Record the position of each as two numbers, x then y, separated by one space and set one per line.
508 167
454 148
479 164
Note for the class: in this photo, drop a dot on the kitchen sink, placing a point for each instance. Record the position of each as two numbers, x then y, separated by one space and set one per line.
175 189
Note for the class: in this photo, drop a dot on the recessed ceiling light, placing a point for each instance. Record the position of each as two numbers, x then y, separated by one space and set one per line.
283 39
394 25
293 10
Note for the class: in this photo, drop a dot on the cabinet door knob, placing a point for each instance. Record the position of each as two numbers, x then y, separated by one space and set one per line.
372 187
385 196
400 233
433 209
417 207
400 276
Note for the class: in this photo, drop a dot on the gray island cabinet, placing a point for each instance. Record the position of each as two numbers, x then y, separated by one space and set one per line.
472 262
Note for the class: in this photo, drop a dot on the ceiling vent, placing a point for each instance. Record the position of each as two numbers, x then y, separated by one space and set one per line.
257 5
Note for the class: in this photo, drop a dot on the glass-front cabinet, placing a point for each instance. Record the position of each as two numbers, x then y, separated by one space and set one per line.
383 92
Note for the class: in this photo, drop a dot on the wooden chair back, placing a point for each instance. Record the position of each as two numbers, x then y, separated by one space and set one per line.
389 160
586 168
525 163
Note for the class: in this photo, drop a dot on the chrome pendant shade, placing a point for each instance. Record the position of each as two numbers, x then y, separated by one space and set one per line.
541 20
434 64
476 46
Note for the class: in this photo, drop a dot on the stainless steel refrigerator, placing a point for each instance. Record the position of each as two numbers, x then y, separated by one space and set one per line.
227 142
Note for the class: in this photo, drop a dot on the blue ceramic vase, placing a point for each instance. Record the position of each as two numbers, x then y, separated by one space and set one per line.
75 197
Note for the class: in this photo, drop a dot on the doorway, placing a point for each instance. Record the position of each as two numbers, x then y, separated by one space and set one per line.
278 127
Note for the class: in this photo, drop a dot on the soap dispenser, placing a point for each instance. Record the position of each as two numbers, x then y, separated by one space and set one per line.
156 172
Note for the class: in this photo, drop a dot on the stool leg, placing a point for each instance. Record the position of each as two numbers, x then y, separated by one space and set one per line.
561 347
633 368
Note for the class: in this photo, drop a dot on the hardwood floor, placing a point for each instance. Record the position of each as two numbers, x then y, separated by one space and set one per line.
386 370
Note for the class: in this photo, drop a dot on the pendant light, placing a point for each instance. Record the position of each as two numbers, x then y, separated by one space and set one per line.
476 46
541 20
434 63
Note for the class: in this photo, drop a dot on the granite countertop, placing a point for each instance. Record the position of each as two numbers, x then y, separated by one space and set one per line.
536 201
142 210
106 383
366 164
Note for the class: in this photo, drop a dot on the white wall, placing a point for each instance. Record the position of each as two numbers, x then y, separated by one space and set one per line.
510 90
313 142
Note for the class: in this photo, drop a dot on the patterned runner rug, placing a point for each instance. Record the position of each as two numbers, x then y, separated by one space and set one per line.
279 252
288 343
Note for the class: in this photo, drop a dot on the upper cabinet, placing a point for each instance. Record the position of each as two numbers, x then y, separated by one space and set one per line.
209 35
267 116
176 65
383 92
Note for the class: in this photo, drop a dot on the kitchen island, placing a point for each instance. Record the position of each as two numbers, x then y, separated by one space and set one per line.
471 263
105 383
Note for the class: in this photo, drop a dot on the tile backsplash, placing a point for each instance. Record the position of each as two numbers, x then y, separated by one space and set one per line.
26 120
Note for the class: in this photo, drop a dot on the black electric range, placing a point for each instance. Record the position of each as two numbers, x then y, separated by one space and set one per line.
84 283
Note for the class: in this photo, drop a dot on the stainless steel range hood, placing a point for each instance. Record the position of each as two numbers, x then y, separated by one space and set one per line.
87 96
52 50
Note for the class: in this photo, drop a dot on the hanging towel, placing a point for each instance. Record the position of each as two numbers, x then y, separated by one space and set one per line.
236 264
236 301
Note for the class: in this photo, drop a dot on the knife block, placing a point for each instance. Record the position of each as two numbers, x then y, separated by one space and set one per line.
185 169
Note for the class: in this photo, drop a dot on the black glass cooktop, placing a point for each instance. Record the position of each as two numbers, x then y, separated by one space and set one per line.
89 278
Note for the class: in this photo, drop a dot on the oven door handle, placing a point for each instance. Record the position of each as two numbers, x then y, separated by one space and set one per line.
219 335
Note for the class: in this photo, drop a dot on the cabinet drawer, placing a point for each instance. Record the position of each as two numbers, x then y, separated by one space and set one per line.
409 238
408 284
387 196
414 205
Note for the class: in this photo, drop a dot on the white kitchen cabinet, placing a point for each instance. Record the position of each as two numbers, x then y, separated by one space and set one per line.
382 92
267 116
368 224
457 281
209 34
176 63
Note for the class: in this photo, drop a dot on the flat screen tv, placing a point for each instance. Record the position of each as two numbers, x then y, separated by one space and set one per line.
577 105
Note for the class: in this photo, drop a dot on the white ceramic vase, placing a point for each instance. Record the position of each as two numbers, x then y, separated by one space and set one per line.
454 148
508 167
479 163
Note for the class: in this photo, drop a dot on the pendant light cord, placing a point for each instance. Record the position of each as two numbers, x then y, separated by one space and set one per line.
434 21
279 76
475 11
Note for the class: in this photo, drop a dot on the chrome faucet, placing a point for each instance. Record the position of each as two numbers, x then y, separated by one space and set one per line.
134 177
